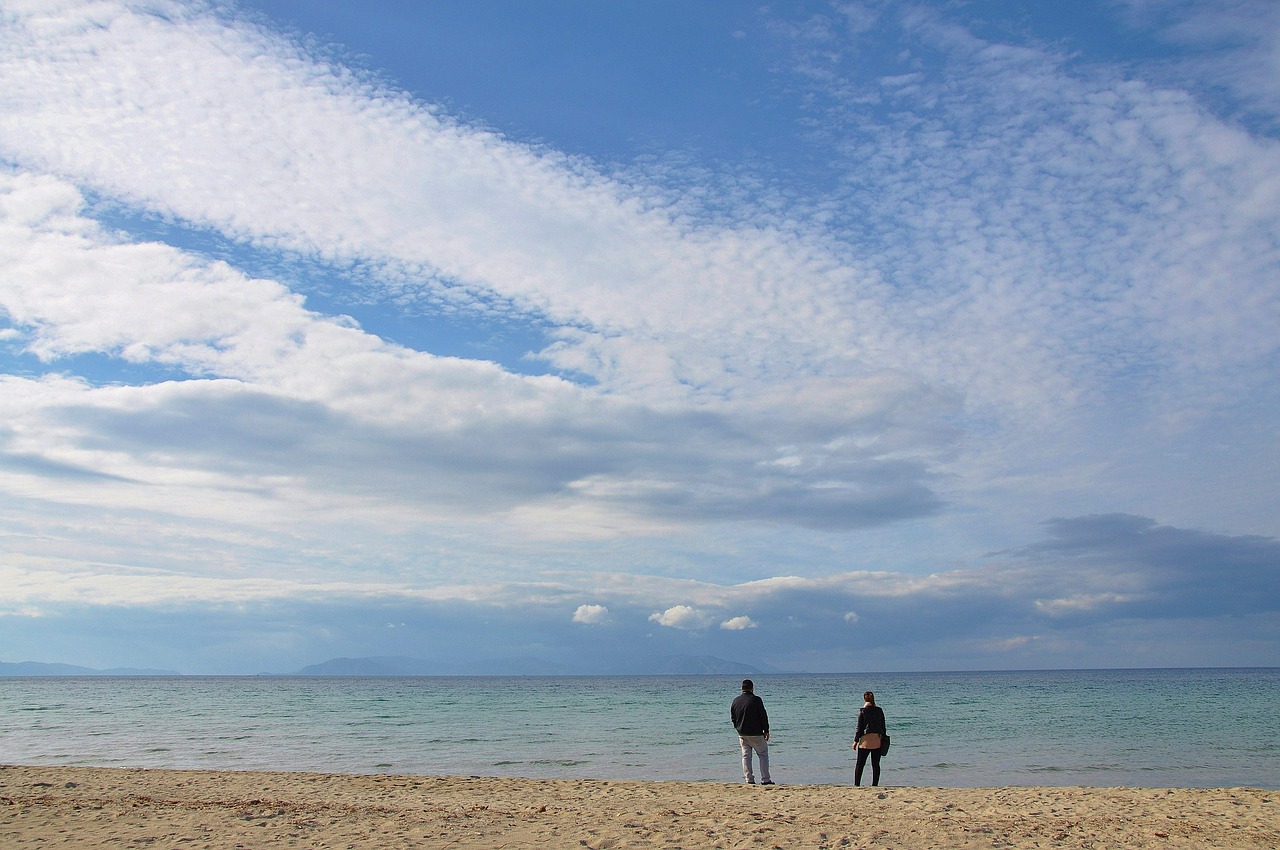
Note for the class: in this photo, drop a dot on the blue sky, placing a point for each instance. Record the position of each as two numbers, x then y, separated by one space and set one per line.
819 336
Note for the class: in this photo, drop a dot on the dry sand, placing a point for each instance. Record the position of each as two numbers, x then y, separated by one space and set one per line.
49 807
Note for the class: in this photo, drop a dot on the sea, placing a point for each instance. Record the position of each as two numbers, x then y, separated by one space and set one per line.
1192 728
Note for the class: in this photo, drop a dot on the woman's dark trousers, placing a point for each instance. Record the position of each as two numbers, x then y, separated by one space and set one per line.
862 762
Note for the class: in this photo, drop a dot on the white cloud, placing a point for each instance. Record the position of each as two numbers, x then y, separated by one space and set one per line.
739 623
1082 603
591 615
680 617
851 617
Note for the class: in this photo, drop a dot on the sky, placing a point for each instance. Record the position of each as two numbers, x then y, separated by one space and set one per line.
818 336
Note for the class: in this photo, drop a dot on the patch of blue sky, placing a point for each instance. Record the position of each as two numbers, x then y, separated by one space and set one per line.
618 83
1085 30
93 368
470 327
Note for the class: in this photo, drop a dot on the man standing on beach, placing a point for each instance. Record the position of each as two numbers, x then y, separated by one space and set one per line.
752 723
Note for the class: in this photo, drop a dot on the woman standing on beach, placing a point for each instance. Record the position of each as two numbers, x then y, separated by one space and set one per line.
867 740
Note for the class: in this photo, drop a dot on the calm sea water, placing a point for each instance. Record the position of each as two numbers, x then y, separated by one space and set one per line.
1156 728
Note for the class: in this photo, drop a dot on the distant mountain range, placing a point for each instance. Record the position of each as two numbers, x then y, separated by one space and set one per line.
672 665
36 668
386 665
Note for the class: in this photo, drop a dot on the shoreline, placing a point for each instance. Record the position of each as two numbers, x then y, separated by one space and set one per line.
87 807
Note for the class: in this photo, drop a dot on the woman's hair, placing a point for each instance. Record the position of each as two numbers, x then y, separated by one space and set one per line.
867 696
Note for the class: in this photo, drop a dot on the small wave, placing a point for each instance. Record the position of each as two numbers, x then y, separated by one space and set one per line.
1092 768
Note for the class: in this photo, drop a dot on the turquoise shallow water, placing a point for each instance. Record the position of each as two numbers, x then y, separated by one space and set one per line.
1156 728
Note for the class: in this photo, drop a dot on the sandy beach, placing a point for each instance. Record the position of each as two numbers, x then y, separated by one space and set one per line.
95 807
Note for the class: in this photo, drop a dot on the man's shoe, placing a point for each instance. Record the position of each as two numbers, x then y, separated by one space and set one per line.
767 782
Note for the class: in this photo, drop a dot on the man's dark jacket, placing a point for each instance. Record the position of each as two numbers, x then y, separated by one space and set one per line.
749 716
